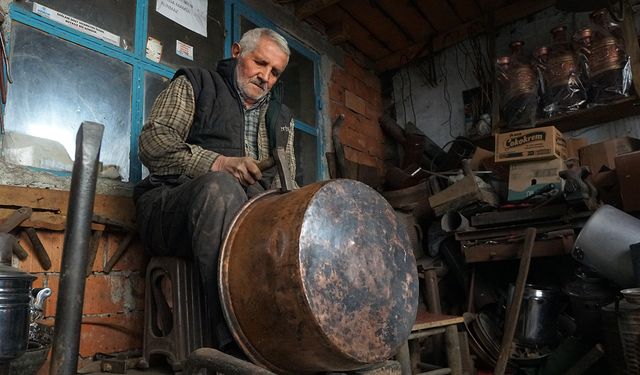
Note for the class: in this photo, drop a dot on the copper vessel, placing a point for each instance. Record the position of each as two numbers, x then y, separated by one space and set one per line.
318 279
606 55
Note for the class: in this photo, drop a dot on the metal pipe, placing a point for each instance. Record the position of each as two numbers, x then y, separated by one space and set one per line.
211 359
66 342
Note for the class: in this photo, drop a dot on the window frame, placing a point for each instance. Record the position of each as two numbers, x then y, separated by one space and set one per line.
236 9
137 59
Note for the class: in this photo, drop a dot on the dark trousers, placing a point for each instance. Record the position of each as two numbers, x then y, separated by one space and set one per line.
189 218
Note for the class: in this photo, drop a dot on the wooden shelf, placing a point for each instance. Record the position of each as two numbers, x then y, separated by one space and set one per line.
586 117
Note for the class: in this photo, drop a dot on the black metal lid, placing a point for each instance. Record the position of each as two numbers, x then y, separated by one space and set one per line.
7 272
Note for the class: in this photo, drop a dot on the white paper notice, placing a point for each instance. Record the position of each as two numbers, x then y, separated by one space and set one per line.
184 50
154 49
191 14
76 24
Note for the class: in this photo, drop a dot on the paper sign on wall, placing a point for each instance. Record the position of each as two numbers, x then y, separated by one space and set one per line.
76 24
191 14
184 50
154 49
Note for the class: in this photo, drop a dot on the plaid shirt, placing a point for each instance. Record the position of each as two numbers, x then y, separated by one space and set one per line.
162 143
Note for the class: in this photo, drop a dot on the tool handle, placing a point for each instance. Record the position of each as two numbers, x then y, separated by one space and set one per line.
38 248
17 217
19 251
266 163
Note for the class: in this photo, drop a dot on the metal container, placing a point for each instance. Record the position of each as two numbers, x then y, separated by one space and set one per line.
321 278
539 315
603 244
587 295
14 312
629 326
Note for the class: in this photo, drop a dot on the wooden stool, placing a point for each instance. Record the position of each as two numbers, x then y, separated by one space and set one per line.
426 325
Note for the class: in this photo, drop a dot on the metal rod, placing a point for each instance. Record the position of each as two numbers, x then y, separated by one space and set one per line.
404 358
427 333
66 342
433 294
211 359
513 309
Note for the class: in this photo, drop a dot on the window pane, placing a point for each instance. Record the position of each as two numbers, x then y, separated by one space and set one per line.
298 81
56 86
206 51
115 16
306 156
153 86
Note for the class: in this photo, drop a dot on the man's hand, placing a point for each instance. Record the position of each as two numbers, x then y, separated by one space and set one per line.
245 169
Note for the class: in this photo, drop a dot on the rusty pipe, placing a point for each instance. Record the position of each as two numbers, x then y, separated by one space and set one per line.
66 341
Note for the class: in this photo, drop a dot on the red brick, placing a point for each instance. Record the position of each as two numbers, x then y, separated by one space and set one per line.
52 243
364 75
354 102
104 294
113 293
98 263
133 259
336 93
111 334
359 157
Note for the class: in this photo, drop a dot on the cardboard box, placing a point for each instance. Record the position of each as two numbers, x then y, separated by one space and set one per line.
462 193
628 171
531 144
528 177
575 144
602 155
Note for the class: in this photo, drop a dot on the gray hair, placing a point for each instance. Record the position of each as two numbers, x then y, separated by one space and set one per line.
249 40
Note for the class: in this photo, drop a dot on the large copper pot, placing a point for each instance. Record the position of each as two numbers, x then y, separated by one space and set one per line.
318 279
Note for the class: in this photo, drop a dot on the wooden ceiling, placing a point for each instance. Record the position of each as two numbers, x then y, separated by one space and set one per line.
391 33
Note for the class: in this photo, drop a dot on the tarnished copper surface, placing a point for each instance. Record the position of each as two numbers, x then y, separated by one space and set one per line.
606 54
317 279
559 69
522 81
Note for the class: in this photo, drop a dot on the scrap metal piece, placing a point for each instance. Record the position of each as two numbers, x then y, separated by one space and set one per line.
66 343
38 248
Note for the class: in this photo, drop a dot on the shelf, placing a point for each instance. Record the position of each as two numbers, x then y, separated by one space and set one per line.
586 117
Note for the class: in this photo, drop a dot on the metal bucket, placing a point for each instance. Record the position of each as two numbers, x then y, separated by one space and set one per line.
629 326
318 279
603 244
539 315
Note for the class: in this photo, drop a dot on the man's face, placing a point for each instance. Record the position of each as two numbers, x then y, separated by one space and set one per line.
259 70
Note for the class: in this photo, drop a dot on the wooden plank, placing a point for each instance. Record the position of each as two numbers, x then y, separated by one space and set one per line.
408 18
461 32
45 220
57 201
592 116
371 18
504 251
308 8
346 29
468 10
426 320
439 13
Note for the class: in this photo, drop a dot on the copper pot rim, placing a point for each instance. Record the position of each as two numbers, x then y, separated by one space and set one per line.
228 310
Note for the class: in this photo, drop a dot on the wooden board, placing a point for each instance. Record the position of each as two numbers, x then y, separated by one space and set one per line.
504 251
407 18
426 320
439 13
369 15
47 203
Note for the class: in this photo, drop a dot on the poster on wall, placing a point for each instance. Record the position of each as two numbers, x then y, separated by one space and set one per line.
76 24
191 14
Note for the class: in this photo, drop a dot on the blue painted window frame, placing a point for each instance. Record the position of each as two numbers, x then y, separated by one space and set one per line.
234 10
136 59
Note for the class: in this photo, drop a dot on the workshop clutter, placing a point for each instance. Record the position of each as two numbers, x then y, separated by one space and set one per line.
591 68
529 244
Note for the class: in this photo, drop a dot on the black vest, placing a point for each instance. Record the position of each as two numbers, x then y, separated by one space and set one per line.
218 124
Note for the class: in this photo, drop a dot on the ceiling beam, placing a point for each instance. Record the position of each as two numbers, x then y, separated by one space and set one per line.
308 8
502 16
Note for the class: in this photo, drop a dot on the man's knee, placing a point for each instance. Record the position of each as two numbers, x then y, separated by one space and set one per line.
219 187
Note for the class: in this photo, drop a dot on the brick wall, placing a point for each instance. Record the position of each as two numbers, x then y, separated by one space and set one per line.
355 92
113 307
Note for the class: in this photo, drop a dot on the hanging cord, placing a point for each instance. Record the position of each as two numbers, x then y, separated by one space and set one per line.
4 65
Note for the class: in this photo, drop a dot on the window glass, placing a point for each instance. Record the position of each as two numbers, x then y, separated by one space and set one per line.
306 157
297 80
115 16
56 86
206 50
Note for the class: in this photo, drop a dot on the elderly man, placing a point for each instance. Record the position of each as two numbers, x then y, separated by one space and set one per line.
201 144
